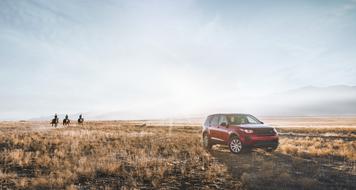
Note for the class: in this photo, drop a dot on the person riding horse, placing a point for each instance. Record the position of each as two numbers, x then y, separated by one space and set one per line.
81 119
55 120
66 121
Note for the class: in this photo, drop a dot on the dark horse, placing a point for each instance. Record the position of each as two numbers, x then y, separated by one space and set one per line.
54 121
80 120
66 121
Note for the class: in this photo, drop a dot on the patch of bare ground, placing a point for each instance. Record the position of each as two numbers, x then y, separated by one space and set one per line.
262 170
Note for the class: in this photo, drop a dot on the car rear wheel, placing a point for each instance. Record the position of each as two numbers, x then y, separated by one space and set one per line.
206 142
235 145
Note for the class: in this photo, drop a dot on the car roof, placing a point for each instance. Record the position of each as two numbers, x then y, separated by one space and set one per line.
227 114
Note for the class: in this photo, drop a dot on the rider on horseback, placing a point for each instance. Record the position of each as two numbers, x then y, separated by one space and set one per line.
80 119
54 121
66 121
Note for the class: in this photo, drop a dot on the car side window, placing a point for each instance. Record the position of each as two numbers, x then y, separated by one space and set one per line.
222 119
251 120
214 121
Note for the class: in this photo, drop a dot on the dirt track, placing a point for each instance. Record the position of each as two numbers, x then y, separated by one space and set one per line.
262 170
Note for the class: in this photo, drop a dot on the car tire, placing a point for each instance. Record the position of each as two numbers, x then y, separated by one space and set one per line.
206 142
235 145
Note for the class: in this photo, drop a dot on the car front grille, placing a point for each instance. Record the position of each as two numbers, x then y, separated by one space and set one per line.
264 131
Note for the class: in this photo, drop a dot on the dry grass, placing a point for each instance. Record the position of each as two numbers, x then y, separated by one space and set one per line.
124 155
307 137
107 154
329 131
319 147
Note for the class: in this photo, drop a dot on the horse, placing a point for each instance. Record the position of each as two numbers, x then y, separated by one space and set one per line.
66 122
54 122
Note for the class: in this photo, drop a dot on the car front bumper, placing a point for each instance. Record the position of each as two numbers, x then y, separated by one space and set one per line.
260 141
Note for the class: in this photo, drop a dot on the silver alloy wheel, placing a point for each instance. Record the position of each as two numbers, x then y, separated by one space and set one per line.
235 145
205 140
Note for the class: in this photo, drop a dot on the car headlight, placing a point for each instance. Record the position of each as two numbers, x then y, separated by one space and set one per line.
246 130
275 130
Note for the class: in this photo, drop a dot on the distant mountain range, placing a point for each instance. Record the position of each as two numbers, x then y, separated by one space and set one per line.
332 100
305 101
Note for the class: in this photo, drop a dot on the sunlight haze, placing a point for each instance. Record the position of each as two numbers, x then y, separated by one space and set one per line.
151 59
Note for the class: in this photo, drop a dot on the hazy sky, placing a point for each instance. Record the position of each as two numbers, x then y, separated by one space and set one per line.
167 57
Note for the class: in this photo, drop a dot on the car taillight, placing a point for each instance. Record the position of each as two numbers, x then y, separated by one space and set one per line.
246 130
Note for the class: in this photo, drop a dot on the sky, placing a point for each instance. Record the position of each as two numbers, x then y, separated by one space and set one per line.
167 58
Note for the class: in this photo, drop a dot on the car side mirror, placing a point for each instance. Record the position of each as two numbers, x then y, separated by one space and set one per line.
224 124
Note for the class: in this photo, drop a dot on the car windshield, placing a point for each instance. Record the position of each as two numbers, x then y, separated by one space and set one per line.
242 119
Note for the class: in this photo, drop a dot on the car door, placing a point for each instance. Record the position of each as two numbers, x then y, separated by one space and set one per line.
223 131
213 128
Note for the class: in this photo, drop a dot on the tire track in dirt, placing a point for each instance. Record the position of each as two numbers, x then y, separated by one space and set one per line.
262 170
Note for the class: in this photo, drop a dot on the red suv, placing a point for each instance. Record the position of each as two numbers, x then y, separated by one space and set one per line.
238 131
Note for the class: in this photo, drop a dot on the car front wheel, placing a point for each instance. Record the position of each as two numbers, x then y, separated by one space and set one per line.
235 145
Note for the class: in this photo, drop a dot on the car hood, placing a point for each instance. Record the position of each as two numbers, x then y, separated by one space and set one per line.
253 126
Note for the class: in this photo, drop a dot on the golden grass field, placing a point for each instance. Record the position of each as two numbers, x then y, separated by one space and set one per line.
314 153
